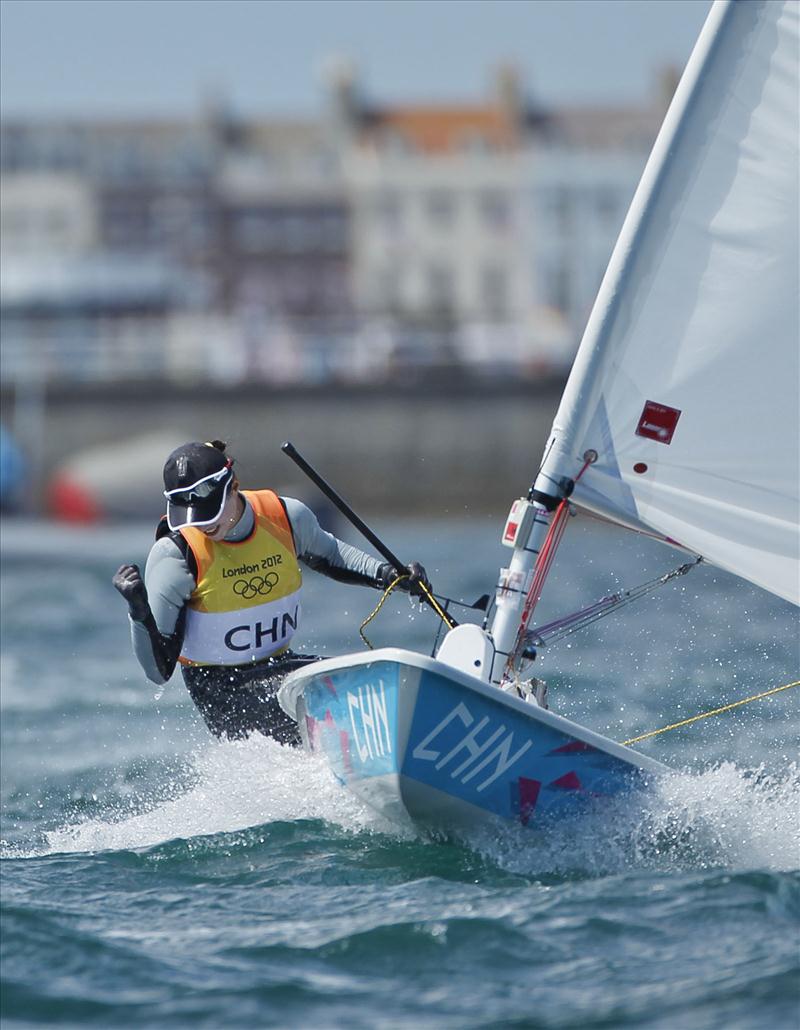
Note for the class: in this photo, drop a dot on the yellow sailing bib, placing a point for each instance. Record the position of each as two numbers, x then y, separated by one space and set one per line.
246 605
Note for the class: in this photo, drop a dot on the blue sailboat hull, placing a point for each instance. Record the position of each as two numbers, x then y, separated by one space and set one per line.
426 743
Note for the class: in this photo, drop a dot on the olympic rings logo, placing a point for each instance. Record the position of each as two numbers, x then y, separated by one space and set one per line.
247 589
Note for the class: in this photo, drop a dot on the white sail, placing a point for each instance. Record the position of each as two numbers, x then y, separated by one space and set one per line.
686 383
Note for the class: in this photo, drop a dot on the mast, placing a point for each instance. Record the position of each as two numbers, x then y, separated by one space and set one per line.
554 481
527 540
527 530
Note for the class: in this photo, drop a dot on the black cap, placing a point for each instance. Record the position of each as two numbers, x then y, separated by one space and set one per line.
198 469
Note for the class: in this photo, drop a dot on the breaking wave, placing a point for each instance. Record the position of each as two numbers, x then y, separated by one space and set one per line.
723 817
236 785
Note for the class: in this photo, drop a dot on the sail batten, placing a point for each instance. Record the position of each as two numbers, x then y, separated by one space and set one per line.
686 382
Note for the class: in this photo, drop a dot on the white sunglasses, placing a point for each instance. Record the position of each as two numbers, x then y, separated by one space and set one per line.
198 491
192 496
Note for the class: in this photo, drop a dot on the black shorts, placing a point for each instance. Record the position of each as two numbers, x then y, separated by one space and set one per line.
237 700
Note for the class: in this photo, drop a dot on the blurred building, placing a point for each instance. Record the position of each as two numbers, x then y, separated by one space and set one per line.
229 248
582 174
486 227
162 244
435 196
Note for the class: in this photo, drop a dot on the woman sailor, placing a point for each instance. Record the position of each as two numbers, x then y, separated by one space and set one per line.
222 587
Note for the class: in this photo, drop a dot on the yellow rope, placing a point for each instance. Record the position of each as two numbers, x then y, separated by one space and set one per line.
377 608
707 715
436 607
431 601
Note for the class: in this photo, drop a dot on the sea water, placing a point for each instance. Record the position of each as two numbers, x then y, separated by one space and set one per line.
155 877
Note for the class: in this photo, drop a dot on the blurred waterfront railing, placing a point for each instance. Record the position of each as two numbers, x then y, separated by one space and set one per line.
192 348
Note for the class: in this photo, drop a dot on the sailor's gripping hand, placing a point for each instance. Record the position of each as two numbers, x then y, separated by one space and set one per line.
415 578
128 581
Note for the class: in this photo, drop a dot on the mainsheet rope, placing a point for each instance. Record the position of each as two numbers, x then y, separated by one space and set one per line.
707 715
428 595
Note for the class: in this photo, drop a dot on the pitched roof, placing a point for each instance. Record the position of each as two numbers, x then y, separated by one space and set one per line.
441 129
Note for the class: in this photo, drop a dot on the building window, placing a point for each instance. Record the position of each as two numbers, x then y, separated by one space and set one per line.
388 288
333 231
495 209
440 208
260 232
494 291
474 142
396 142
559 205
558 287
301 233
389 211
16 229
295 286
126 226
565 209
440 287
199 228
56 225
333 287
14 149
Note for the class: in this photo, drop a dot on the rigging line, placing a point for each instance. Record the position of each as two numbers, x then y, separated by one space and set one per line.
540 572
562 627
707 715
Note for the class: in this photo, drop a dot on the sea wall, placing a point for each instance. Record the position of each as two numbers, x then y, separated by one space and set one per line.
426 447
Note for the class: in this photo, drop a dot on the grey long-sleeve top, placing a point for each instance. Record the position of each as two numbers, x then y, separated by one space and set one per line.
170 582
